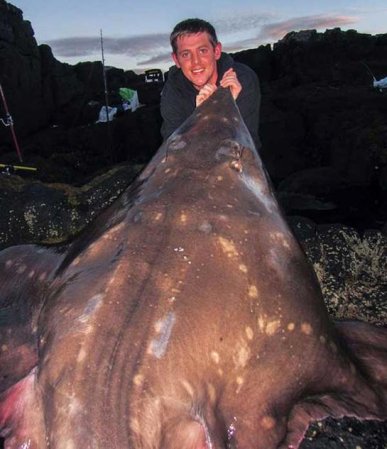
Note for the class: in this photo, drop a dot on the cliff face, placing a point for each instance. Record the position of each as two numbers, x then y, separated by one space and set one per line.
34 82
318 95
323 124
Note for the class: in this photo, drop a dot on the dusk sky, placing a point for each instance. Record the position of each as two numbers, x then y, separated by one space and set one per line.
136 34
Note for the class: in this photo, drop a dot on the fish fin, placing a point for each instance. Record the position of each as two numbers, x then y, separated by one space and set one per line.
317 409
365 394
24 272
368 344
21 415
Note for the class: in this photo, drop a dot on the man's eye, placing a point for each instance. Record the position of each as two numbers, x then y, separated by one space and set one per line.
185 54
203 51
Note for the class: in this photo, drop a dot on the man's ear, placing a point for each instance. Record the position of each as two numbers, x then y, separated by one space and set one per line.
218 50
175 60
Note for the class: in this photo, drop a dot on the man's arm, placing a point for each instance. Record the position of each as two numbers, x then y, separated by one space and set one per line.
169 110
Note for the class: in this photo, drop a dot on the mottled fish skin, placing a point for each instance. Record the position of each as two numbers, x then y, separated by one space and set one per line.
185 317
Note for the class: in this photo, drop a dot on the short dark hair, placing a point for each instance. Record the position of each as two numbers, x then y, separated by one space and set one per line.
192 26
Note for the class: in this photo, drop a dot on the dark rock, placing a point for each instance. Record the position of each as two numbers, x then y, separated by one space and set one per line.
335 57
351 269
319 181
347 433
303 228
34 212
20 72
259 59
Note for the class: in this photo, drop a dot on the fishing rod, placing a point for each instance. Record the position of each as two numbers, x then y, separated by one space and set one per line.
9 122
9 168
104 79
369 70
378 84
109 149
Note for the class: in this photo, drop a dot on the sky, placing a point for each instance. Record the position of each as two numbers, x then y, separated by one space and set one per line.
136 33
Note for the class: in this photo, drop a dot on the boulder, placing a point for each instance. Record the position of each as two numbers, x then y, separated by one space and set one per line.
34 212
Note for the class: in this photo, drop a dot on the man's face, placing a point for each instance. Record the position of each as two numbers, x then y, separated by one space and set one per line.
196 57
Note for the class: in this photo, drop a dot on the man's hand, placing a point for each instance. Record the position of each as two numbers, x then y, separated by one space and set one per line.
230 80
206 91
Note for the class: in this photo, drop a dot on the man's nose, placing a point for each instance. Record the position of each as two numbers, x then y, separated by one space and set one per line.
196 57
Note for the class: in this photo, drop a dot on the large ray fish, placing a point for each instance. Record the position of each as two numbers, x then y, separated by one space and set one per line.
185 317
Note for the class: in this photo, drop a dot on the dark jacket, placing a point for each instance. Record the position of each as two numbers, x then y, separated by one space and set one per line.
178 97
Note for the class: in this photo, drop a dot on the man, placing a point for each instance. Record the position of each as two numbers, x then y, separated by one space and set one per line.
200 68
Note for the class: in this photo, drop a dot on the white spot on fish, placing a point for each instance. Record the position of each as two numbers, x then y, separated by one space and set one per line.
215 357
241 354
9 263
205 227
188 387
236 165
257 189
291 327
211 393
92 305
176 142
239 381
228 247
138 380
134 425
249 333
272 327
279 237
76 261
81 355
243 268
253 291
186 259
306 328
261 323
268 422
164 327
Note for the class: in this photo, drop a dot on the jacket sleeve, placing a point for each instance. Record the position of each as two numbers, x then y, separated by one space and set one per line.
172 111
249 102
